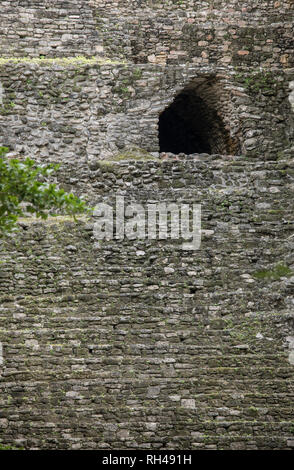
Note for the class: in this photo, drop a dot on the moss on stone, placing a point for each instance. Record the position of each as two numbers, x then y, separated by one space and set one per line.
276 273
255 82
130 154
66 61
8 447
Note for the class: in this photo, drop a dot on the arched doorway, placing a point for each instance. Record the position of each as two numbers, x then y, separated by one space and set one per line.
192 123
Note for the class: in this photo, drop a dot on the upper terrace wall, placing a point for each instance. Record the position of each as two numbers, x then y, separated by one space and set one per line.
61 111
72 110
51 28
173 31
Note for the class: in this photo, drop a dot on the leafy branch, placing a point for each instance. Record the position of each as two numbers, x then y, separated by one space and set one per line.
23 189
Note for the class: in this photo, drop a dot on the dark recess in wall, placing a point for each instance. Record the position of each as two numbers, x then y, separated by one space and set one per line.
181 132
191 125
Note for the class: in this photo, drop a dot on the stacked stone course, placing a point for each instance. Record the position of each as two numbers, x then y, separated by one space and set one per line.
144 345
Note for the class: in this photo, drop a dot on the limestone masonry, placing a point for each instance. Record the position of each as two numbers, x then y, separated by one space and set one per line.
140 344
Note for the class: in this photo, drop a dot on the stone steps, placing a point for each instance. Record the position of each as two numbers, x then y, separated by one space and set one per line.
96 337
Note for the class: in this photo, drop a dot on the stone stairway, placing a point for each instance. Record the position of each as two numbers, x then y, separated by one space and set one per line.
140 344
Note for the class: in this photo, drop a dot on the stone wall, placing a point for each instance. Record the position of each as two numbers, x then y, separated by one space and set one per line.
237 57
139 344
254 33
72 109
54 28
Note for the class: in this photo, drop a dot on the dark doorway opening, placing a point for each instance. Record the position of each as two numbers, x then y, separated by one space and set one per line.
192 125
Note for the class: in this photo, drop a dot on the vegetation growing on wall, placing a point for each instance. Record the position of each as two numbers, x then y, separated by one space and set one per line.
263 82
23 189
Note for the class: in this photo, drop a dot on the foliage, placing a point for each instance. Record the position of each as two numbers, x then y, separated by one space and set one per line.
21 192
